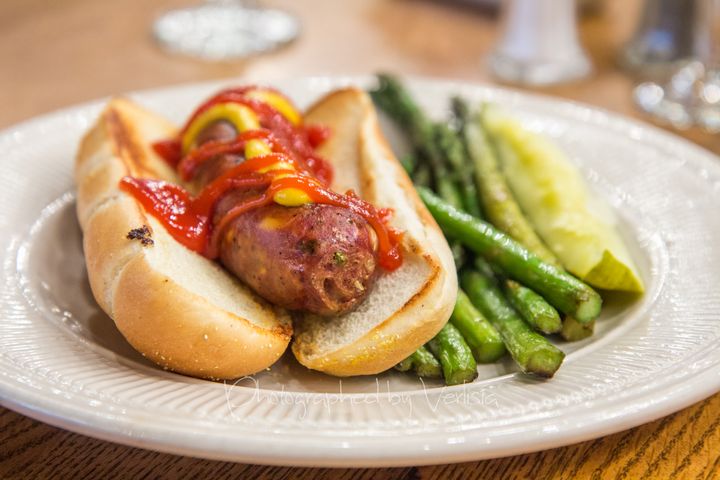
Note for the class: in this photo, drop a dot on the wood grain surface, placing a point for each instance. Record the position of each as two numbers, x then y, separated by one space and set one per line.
57 53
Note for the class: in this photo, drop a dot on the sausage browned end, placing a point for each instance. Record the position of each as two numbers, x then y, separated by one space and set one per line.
316 257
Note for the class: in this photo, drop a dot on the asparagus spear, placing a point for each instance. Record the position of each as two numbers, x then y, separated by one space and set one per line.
532 307
560 289
420 173
497 199
397 102
453 151
572 330
457 360
532 352
482 338
405 365
423 362
392 97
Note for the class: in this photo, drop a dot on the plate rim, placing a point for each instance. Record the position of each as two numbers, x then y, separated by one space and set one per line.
357 456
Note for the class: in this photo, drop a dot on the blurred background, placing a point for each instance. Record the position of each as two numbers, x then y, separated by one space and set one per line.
55 54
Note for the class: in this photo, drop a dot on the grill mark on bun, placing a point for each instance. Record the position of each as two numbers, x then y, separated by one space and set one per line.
143 234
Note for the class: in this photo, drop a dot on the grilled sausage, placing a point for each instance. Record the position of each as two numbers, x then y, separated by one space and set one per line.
317 258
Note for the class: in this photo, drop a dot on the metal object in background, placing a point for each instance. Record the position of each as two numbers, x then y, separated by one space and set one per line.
692 95
663 38
539 43
224 30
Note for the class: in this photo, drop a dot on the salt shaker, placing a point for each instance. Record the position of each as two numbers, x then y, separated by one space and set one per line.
539 43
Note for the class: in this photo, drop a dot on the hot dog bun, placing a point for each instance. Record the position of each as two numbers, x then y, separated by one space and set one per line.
188 314
177 308
407 307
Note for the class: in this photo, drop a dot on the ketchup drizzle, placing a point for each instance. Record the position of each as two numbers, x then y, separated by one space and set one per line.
190 220
207 151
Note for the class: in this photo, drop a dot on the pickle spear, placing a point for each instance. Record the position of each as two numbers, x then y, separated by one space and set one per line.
554 197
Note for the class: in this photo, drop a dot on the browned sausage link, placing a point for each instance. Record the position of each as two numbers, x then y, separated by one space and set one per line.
220 131
318 258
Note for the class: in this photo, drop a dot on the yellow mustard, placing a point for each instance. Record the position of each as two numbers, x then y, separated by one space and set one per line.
278 102
240 116
243 119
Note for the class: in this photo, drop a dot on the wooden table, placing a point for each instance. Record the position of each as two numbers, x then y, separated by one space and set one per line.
54 54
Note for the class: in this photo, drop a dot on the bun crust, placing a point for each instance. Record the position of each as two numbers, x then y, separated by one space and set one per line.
177 308
408 306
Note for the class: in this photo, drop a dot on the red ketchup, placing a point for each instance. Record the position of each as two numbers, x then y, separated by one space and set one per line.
190 219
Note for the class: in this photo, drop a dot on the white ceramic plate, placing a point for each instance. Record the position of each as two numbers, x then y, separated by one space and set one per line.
63 362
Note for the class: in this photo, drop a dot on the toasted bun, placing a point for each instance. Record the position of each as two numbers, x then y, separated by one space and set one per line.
407 307
177 308
188 314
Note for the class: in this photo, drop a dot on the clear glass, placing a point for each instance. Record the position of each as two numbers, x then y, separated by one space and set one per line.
692 95
224 30
539 43
664 37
